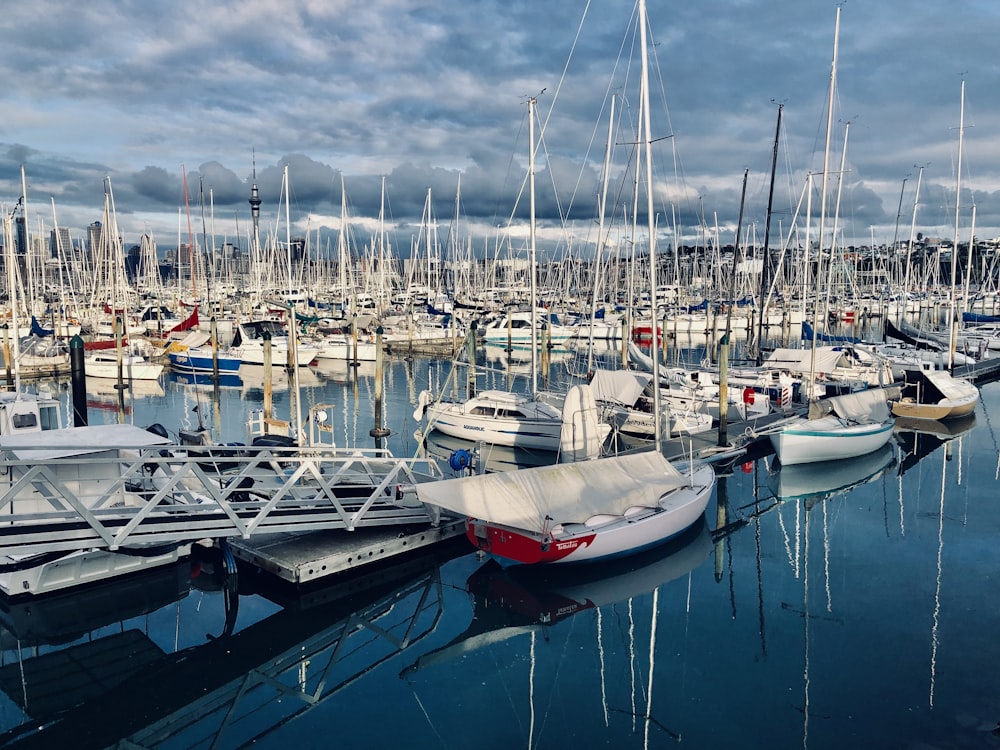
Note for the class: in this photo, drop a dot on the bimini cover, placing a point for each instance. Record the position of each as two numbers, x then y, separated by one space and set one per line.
563 493
619 386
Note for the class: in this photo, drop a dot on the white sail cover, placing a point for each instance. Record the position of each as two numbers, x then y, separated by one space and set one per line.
581 435
863 406
800 360
564 493
619 386
192 339
950 386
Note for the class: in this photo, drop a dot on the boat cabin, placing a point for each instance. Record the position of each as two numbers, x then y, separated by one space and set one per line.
28 413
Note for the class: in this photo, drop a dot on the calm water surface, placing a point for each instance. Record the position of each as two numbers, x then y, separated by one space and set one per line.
851 605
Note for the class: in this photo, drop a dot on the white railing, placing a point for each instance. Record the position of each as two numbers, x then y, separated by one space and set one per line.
128 499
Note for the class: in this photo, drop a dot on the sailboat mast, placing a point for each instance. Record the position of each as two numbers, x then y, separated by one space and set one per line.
532 260
823 192
909 244
598 251
651 222
187 212
953 327
765 271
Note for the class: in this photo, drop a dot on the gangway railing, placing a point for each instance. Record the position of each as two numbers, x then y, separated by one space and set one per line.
131 499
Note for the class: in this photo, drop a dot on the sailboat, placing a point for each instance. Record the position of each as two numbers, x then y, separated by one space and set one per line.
585 511
842 426
837 427
579 512
522 420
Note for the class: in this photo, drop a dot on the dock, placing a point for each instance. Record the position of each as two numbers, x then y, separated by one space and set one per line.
306 558
743 438
983 371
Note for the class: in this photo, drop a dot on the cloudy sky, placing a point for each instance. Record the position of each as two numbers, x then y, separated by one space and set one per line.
432 95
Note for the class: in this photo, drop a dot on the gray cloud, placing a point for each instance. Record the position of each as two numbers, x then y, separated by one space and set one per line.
425 95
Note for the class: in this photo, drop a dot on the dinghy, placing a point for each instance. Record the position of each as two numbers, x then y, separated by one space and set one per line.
839 427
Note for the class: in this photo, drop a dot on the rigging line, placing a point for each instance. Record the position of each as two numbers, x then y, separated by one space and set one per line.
562 78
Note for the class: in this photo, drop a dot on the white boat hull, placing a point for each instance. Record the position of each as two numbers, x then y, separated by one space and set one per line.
537 434
828 439
108 368
601 537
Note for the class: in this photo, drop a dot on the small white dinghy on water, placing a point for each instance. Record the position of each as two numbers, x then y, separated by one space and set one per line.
576 512
838 427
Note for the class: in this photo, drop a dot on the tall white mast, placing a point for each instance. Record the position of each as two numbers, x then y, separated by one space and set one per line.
822 194
953 328
532 289
651 221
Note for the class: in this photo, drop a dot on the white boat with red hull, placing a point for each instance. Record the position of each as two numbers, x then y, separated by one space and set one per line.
580 512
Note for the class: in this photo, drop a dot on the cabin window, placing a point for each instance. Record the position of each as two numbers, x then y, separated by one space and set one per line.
49 417
483 411
510 413
24 421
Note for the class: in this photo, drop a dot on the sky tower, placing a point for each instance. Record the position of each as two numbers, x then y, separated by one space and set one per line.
255 210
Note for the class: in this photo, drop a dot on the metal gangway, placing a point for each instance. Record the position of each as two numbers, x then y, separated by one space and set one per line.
164 495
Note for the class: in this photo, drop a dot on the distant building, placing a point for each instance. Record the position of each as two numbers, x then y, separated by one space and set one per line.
20 236
298 246
60 245
95 234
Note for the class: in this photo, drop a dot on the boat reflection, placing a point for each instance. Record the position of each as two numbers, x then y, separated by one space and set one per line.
206 381
65 616
136 388
254 380
342 370
513 601
237 689
918 438
45 683
828 478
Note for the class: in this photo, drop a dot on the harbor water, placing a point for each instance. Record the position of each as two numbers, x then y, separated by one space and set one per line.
820 606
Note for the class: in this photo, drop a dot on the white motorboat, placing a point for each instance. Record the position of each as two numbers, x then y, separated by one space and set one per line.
103 363
81 462
516 327
518 420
